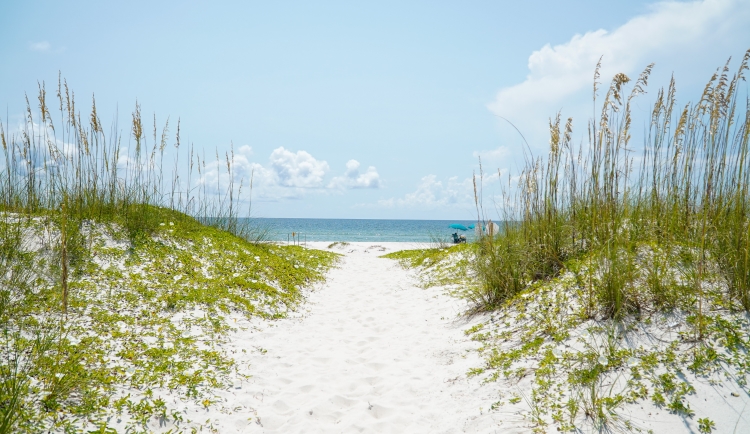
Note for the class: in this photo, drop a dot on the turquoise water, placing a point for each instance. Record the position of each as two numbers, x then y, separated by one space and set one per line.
280 229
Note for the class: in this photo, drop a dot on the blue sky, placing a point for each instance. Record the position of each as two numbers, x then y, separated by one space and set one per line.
353 110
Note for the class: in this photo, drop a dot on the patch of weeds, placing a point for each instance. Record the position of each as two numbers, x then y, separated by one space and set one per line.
449 266
144 319
474 329
582 372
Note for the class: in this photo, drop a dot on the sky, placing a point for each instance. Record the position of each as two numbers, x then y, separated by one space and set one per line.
347 109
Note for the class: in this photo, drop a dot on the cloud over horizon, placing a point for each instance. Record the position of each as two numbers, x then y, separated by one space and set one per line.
288 175
353 179
561 76
432 193
298 169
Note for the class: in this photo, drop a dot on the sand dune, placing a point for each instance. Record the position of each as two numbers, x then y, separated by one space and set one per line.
369 352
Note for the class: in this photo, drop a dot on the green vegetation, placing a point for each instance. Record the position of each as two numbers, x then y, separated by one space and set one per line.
582 371
113 293
619 278
446 266
624 220
600 247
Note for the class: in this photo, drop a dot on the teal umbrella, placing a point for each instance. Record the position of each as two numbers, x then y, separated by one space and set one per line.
459 227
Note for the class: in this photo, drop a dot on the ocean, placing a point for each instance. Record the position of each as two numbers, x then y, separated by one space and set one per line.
423 231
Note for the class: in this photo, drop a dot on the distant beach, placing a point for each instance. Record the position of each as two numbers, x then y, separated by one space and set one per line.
365 230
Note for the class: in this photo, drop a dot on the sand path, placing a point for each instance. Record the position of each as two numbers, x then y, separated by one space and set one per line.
370 352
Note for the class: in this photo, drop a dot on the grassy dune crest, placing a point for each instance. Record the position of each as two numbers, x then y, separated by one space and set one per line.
685 198
619 283
119 285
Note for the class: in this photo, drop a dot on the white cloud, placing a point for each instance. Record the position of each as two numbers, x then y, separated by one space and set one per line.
40 46
687 34
298 169
245 150
216 177
449 195
46 152
353 179
432 193
288 175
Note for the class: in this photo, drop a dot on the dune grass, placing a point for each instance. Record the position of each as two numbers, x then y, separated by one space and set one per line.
117 282
685 199
620 277
72 167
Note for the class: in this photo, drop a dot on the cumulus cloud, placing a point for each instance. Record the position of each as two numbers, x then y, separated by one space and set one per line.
243 169
245 150
298 169
287 169
454 193
432 193
48 154
288 175
353 179
561 76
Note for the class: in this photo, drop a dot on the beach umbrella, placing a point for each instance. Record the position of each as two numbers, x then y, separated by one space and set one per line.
459 227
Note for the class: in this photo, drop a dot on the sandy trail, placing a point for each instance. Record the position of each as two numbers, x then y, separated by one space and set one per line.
370 352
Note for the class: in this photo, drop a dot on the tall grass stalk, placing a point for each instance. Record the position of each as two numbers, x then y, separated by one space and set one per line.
76 164
60 174
684 198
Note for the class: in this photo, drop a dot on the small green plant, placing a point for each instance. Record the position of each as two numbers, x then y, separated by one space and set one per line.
706 425
680 407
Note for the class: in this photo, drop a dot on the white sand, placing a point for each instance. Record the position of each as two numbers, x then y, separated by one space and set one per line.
370 352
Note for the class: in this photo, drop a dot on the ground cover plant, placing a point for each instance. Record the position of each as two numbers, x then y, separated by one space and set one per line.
438 266
117 283
619 282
